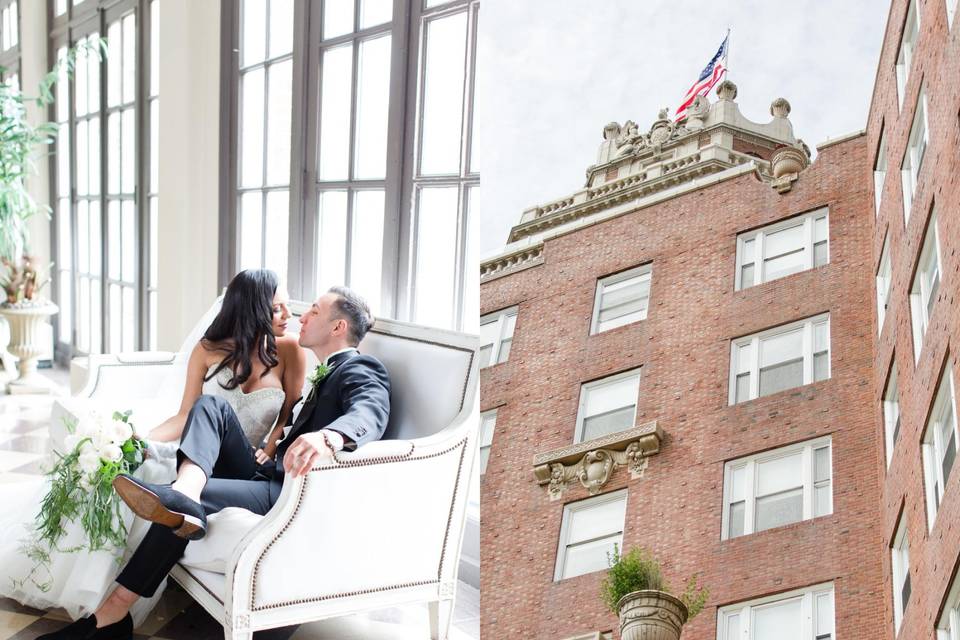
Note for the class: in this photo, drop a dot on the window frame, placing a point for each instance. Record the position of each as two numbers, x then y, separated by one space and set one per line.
499 317
754 339
951 12
912 162
639 273
584 505
10 56
880 165
488 425
932 453
586 387
900 572
948 624
890 406
749 463
758 236
902 67
884 282
920 295
809 599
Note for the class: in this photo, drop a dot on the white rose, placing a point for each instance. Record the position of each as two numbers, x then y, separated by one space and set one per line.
111 453
121 431
89 461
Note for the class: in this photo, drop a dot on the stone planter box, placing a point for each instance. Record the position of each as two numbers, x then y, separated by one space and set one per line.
651 615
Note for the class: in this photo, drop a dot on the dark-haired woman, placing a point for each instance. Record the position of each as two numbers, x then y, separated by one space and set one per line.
244 356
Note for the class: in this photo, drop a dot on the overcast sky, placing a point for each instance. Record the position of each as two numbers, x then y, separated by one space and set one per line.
552 73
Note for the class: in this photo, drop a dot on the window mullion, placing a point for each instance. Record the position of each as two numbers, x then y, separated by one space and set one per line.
755 372
750 496
806 470
808 348
759 267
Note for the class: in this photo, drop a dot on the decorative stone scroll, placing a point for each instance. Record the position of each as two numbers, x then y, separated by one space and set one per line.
592 463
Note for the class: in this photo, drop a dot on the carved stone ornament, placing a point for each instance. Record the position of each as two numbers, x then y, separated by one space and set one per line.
786 164
592 463
662 129
727 90
780 108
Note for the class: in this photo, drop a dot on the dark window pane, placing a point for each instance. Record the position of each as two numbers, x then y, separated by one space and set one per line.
735 521
778 377
905 592
609 422
949 455
896 430
779 509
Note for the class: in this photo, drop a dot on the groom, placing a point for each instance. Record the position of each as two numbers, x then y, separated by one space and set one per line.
348 407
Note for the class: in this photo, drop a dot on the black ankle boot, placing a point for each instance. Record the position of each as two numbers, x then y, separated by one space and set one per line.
86 629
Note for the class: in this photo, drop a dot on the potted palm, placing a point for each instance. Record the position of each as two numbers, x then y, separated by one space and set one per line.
22 307
637 592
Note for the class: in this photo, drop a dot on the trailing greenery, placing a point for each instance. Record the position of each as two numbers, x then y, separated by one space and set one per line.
81 490
638 570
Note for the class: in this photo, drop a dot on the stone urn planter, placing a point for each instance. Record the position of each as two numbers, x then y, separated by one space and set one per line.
786 161
651 615
26 320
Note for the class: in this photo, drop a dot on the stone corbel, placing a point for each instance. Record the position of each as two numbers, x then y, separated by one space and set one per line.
592 463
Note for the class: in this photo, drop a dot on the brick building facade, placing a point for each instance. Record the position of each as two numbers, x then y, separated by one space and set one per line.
730 289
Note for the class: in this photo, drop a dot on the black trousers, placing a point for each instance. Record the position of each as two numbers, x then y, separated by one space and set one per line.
212 439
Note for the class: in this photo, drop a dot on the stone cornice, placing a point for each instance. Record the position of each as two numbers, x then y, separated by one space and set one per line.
512 262
592 463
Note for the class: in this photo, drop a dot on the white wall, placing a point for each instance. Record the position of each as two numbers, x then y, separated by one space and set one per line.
189 165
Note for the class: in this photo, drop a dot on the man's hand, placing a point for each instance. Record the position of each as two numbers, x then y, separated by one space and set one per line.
306 451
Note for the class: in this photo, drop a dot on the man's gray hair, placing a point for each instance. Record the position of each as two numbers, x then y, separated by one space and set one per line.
354 309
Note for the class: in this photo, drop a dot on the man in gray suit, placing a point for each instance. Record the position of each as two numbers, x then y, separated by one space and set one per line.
347 408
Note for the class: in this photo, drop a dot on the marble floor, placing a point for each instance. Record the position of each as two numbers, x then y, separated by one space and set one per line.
24 444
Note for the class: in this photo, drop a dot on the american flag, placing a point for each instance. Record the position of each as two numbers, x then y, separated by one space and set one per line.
709 77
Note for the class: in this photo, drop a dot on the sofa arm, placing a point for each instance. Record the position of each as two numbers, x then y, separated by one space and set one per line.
130 376
384 517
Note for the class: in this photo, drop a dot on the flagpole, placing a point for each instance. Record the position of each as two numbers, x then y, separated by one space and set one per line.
728 49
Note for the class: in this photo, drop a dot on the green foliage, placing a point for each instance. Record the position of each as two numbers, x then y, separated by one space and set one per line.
638 570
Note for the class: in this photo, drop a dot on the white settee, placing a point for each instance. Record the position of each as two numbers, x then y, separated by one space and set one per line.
375 528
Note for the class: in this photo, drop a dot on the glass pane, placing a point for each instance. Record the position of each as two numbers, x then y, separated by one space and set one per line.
129 58
602 398
281 27
250 230
504 350
443 94
820 230
782 376
820 256
733 627
332 240
471 290
821 366
154 146
155 47
154 242
83 311
153 317
436 256
821 500
780 621
64 235
588 557
95 324
779 509
280 101
736 519
114 67
96 241
337 17
743 387
366 246
129 241
781 348
251 129
374 12
821 336
487 425
83 165
746 276
783 265
128 159
115 314
129 320
485 352
783 241
113 153
744 358
484 457
824 616
609 422
83 237
277 232
949 455
63 161
93 150
779 474
337 67
254 31
113 240
80 85
821 464
738 487
66 286
61 7
373 101
93 83
600 519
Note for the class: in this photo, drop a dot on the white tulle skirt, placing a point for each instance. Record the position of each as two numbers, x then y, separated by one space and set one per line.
77 582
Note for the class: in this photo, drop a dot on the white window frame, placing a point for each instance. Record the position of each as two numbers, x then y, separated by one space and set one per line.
891 412
499 317
641 273
933 446
905 53
914 154
583 505
810 598
900 570
951 11
759 235
948 626
884 283
488 424
585 389
920 294
749 465
754 340
879 172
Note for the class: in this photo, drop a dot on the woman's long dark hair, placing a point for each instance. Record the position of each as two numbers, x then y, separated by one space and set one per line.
244 326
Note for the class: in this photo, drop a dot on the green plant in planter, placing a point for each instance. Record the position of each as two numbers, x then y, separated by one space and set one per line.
638 570
20 139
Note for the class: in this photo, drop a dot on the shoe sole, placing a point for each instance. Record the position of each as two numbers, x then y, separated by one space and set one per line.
147 505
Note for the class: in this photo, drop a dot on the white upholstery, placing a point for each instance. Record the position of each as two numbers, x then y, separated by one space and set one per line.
378 527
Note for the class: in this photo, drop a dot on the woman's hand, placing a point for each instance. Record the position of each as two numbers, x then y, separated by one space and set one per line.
262 457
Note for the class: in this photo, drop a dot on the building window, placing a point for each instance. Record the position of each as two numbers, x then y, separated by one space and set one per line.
948 627
879 172
621 299
780 358
884 282
913 156
891 412
908 43
10 43
900 564
496 336
951 11
777 488
939 445
781 249
372 182
808 613
588 533
105 186
926 282
608 405
488 422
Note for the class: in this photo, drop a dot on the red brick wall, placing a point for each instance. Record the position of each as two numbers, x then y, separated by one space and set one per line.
684 348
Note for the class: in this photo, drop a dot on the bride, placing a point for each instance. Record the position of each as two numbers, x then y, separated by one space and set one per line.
245 357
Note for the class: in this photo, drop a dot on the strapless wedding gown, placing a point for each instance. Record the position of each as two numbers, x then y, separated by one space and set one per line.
78 582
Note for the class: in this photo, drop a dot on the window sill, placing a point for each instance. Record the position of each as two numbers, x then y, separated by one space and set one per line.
593 462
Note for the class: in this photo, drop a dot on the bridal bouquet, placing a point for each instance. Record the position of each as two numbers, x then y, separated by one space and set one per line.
97 450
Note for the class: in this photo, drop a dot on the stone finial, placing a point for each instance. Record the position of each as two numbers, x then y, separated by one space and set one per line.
611 131
727 90
663 114
780 108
